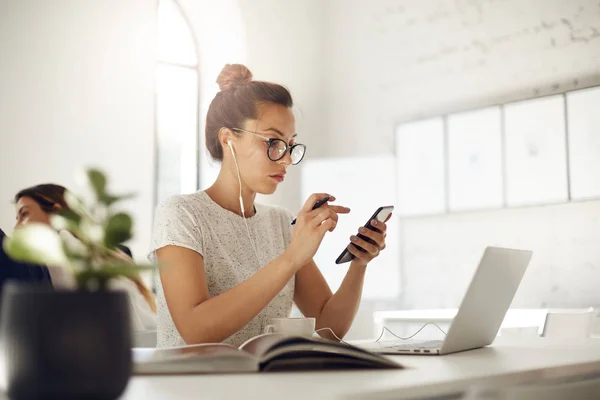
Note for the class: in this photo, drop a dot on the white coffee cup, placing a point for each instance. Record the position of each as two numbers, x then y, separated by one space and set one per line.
291 326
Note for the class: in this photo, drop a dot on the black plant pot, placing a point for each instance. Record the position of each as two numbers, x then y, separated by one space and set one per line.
65 344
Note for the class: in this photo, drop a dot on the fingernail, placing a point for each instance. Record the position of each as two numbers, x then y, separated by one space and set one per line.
353 238
362 230
374 222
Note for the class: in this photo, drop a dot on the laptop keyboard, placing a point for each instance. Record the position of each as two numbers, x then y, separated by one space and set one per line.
432 344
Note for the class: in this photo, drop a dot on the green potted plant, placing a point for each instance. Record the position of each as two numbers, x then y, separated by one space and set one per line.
71 343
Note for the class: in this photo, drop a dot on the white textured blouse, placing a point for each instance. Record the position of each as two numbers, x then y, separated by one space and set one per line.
196 222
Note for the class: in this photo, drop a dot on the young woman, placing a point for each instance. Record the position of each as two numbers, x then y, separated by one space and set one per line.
37 204
229 264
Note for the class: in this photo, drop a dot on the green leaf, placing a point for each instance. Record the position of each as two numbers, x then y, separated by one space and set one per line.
76 204
66 219
97 180
58 222
118 230
109 200
91 232
36 243
73 247
69 215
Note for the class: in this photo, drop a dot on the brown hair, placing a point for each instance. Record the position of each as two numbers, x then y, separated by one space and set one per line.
239 100
48 196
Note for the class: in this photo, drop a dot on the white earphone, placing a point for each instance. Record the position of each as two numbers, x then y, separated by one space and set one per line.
241 200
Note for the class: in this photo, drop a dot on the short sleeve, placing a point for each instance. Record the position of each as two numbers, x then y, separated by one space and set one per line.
175 224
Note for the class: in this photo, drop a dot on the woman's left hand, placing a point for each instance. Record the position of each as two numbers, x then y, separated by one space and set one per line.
371 250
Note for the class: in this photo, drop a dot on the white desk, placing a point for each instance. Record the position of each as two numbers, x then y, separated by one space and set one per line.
506 362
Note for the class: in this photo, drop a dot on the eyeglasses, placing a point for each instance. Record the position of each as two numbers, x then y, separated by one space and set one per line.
278 147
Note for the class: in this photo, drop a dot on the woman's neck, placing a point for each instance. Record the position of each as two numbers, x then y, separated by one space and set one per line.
226 193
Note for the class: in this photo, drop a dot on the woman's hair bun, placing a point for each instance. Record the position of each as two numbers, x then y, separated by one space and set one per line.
233 75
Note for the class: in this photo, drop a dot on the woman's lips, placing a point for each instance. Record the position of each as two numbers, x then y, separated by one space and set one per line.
277 177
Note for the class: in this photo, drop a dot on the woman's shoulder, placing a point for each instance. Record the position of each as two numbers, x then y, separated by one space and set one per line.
181 205
182 200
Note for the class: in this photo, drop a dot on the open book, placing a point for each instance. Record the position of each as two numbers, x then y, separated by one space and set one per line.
268 352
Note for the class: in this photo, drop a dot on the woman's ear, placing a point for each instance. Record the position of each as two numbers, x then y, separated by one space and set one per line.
225 135
57 207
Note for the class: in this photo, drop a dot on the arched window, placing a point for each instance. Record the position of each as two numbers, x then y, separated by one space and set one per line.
177 96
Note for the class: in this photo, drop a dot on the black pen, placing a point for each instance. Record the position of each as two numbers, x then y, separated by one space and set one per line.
317 205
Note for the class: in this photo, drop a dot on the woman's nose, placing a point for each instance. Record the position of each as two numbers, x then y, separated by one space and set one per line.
287 158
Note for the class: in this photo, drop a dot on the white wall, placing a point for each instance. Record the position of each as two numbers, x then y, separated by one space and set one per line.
77 81
284 45
440 254
389 61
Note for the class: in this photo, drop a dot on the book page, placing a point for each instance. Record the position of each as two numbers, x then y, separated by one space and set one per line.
319 349
201 358
280 352
198 350
259 345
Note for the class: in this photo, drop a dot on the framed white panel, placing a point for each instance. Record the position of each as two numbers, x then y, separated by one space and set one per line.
475 159
420 167
583 110
536 160
363 185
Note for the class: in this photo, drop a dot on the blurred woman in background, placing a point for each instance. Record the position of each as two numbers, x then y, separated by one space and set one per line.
38 204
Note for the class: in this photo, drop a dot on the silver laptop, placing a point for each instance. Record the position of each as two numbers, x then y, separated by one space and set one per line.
482 310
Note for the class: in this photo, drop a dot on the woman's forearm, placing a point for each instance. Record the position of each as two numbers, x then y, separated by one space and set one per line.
219 317
339 311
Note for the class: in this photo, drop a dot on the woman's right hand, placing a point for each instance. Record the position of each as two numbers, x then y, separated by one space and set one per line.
311 226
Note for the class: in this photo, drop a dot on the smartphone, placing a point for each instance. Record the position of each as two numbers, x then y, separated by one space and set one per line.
381 214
